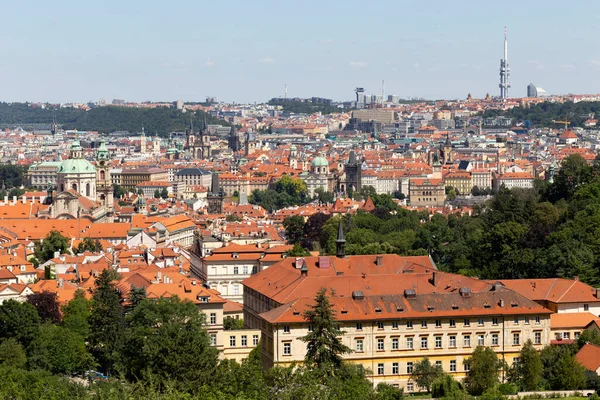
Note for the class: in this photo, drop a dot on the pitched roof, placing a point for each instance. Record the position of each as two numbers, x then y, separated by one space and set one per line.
589 356
572 320
555 290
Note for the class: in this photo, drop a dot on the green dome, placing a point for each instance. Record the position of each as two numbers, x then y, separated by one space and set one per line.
76 166
320 162
76 145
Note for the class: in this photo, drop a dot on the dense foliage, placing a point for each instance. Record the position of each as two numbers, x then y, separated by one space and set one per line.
542 114
160 121
287 191
160 350
12 176
544 232
324 347
53 242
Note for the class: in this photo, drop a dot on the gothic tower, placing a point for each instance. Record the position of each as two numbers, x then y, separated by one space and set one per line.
353 171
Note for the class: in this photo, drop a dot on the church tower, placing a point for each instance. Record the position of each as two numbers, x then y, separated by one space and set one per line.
447 150
205 141
234 140
143 141
104 186
294 157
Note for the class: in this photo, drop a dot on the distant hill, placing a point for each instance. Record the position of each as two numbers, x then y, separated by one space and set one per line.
106 119
542 115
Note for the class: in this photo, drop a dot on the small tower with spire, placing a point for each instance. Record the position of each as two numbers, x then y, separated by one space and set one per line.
340 242
143 141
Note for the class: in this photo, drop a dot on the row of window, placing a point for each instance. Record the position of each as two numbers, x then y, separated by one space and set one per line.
452 341
452 323
236 270
244 341
395 370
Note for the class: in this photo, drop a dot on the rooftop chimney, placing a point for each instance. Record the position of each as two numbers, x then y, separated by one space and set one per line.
435 278
379 261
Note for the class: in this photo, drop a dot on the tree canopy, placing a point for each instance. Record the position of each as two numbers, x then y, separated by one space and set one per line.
324 346
53 242
159 120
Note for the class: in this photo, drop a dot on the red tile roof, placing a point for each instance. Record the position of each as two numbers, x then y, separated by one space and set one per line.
589 357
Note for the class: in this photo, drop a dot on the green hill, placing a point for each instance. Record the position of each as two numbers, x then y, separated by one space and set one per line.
107 119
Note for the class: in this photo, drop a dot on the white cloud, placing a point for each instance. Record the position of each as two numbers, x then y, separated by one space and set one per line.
595 62
326 41
209 63
266 60
357 64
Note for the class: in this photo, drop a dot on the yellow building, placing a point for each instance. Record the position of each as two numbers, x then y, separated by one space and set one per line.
459 180
394 311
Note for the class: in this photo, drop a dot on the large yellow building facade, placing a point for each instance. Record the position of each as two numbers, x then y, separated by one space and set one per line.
394 311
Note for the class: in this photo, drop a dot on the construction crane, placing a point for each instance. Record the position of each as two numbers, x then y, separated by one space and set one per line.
566 123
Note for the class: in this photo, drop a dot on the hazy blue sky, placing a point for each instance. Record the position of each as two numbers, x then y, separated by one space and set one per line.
248 50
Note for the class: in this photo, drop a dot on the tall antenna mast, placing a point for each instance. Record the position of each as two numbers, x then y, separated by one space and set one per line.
285 91
504 70
382 90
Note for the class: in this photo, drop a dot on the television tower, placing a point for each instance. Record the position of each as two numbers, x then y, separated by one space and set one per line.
504 71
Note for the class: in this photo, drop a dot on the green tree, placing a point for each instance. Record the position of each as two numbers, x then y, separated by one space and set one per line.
47 306
483 370
574 172
88 244
232 324
313 229
244 380
186 360
424 373
570 375
298 251
164 193
106 321
323 344
136 295
450 193
561 371
156 194
528 370
20 321
12 353
53 242
38 385
588 336
446 387
294 228
76 314
59 351
118 191
11 176
323 196
388 392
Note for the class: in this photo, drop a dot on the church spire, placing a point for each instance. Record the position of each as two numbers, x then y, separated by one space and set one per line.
340 242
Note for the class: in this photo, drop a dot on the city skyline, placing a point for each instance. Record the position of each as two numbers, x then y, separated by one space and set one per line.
249 52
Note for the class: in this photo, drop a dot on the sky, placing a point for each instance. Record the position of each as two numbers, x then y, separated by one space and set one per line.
248 51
